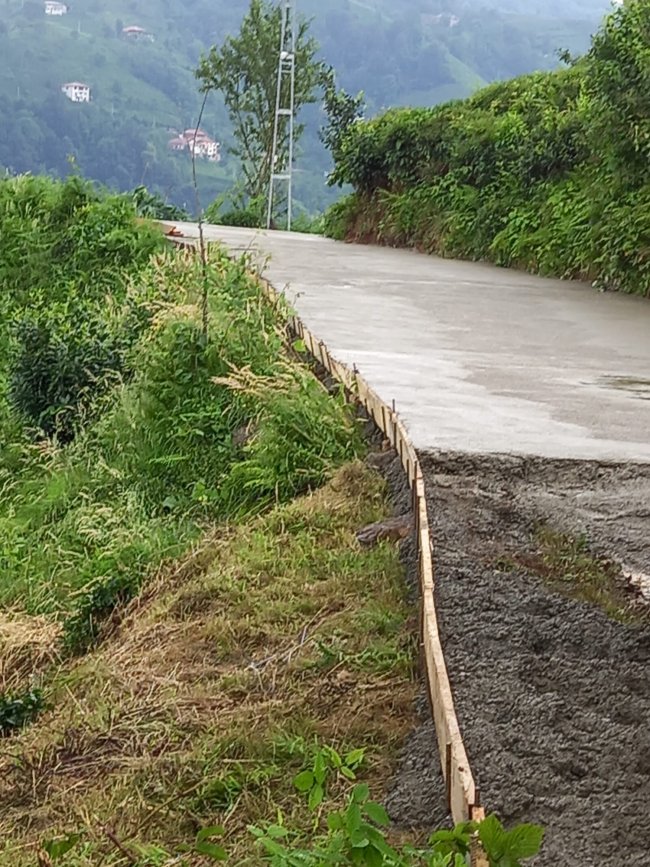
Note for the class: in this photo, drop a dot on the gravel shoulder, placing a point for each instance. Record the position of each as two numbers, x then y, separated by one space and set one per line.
553 696
416 799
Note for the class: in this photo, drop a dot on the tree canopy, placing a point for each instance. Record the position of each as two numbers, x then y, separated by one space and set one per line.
244 69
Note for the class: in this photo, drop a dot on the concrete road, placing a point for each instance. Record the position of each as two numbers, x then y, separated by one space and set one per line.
477 358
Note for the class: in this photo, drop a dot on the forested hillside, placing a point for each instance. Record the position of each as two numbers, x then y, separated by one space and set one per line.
547 172
416 52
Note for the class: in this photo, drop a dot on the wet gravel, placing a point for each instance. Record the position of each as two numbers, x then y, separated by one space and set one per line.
416 798
553 697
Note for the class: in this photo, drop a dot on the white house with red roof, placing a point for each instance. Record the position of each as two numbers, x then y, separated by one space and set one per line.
197 142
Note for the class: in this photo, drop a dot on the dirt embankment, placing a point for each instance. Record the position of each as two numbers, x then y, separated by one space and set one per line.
548 646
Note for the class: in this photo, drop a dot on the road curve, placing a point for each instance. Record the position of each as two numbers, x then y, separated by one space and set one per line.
478 358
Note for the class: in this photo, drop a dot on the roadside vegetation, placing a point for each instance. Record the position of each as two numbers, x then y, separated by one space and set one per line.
126 427
547 172
257 655
197 660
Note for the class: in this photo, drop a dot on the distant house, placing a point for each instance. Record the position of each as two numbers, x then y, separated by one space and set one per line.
197 142
76 91
137 34
205 148
53 7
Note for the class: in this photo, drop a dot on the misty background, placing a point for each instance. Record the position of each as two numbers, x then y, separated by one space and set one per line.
143 91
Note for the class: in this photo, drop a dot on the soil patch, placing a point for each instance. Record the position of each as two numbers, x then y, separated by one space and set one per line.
552 693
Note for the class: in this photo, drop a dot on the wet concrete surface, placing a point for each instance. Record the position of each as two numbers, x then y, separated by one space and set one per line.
552 695
477 358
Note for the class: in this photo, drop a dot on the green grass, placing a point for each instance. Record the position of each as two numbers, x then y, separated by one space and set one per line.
215 691
167 605
567 565
147 455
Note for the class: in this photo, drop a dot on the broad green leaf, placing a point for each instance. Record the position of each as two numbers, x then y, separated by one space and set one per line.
212 831
316 797
524 841
211 850
450 842
373 858
353 819
334 758
359 839
304 781
376 813
320 768
335 822
378 841
361 793
61 846
354 758
272 847
492 836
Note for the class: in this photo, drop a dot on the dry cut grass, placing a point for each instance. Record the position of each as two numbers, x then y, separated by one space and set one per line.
28 645
272 638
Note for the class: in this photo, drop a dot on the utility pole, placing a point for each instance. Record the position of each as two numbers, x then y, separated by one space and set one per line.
285 111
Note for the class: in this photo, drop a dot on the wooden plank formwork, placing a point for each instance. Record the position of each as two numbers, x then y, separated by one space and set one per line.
462 793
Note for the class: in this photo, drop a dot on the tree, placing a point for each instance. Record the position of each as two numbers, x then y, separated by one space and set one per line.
343 110
245 70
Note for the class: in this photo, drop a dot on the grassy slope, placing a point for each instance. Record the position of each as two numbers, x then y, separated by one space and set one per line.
138 484
215 689
154 453
241 642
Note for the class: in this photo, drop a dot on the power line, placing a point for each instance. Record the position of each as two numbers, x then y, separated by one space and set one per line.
285 111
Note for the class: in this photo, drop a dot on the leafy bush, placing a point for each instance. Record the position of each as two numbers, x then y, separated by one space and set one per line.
153 206
247 218
60 364
17 711
172 427
357 834
69 255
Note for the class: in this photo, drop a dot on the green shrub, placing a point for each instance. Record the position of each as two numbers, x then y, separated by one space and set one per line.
17 711
98 602
338 218
548 172
61 363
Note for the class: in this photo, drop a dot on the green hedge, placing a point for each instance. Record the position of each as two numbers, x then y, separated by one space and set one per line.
549 172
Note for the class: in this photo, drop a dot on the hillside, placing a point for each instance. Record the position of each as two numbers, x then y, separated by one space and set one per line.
547 172
427 51
420 52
